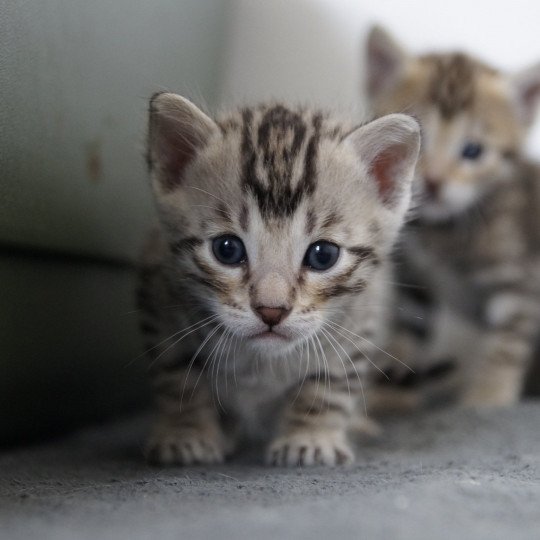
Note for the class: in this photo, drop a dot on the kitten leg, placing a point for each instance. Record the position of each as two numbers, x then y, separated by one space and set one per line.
313 428
187 430
386 395
498 376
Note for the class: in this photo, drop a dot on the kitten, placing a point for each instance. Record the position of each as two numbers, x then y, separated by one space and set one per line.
474 246
264 286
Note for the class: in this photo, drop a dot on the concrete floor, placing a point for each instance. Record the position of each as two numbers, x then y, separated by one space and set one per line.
442 475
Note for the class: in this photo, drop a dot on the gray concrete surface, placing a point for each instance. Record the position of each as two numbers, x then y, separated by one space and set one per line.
441 475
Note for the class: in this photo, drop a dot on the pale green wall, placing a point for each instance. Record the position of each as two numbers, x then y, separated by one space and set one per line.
75 77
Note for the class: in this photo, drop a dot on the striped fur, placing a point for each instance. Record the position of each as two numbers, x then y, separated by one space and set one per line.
278 178
473 249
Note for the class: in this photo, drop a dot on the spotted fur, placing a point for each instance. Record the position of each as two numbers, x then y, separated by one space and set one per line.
472 251
278 178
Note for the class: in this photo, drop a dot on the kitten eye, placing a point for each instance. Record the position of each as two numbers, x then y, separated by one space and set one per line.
229 249
472 151
321 255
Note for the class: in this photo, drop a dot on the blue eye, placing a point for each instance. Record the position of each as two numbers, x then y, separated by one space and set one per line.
321 255
229 249
472 151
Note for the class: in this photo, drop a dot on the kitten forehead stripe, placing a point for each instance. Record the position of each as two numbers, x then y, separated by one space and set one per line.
453 82
275 146
275 128
310 170
243 218
311 221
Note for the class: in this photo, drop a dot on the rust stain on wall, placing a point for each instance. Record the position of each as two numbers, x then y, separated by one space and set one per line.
94 160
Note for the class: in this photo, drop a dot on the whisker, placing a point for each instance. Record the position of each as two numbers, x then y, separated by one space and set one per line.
237 338
174 306
216 361
178 341
364 309
211 360
301 359
172 336
194 357
219 210
326 371
227 345
316 352
233 338
208 193
355 370
208 359
308 342
363 353
406 285
374 345
324 333
355 307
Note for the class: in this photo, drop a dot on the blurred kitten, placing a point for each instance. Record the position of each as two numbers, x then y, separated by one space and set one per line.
473 248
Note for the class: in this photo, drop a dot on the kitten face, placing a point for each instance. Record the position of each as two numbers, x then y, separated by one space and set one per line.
468 152
277 217
474 120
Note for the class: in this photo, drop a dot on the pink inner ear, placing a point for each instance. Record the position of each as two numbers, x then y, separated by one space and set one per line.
381 66
529 96
385 168
173 152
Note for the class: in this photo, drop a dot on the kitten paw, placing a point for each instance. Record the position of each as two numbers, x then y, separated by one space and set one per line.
502 392
310 448
176 446
488 401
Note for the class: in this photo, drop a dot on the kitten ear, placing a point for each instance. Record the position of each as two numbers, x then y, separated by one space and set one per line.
177 130
527 88
385 61
388 148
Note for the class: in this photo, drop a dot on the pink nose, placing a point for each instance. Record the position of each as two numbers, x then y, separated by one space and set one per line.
272 316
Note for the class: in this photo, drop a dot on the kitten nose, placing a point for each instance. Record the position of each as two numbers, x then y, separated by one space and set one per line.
433 187
272 316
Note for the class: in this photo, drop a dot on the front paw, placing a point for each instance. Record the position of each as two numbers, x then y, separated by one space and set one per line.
185 446
306 448
487 400
496 393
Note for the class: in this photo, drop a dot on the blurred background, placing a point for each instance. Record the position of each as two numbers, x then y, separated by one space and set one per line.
75 77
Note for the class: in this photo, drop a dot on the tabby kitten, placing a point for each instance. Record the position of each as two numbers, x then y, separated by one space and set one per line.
474 246
264 285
